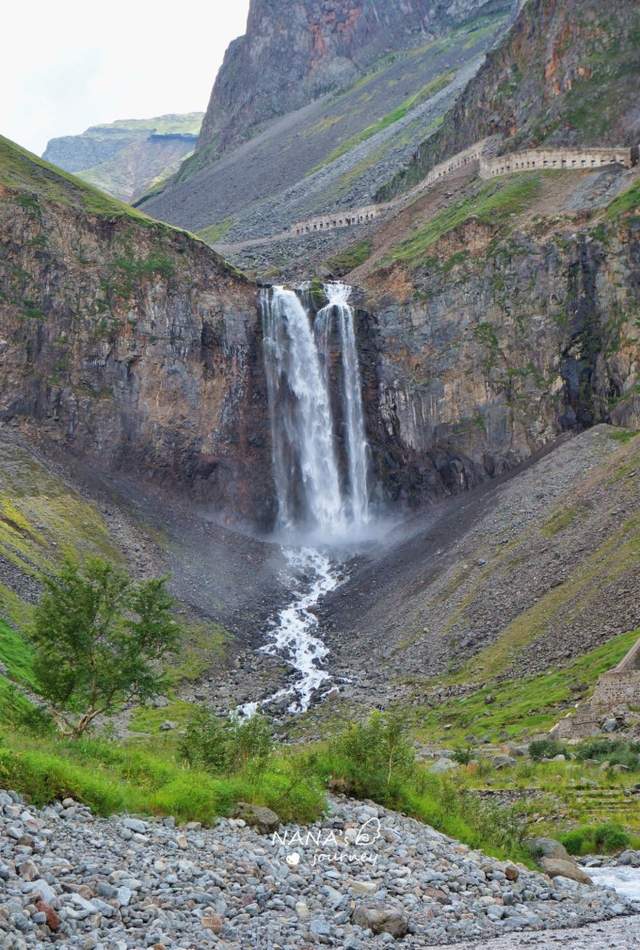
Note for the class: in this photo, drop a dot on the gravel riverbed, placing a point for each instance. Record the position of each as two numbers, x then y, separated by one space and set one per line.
75 880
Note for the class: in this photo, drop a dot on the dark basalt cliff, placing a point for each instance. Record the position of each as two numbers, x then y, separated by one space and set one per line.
128 343
566 73
496 344
293 52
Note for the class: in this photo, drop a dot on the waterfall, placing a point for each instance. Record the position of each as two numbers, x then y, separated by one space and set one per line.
316 500
310 489
357 446
305 468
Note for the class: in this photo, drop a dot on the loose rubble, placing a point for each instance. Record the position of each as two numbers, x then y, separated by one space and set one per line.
361 877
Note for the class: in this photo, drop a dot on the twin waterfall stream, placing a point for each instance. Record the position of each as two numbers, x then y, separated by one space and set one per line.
320 469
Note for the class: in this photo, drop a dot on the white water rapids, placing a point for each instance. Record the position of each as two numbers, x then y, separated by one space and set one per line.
320 470
624 880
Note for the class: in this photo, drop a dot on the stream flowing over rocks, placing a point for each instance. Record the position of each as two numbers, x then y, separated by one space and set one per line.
320 463
70 878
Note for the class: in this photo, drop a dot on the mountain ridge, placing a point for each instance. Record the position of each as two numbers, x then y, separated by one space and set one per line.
127 157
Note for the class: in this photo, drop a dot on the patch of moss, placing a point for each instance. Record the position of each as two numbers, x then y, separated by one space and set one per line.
560 520
351 257
41 517
323 125
492 204
623 435
204 646
625 203
215 232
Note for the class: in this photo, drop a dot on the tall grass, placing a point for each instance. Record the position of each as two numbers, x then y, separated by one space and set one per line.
112 777
373 761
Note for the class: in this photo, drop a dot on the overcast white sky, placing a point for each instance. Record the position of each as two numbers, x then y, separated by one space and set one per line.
69 64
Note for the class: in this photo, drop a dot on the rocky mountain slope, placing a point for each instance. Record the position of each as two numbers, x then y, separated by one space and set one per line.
294 52
125 340
312 153
565 73
522 577
128 157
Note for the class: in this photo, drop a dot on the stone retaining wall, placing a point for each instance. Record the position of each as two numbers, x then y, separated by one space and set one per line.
617 689
488 166
579 725
548 159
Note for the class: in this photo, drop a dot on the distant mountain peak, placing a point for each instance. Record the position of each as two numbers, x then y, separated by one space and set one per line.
126 157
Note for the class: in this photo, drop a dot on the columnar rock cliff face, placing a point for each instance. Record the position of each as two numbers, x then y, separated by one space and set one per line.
127 342
130 343
495 344
566 74
294 51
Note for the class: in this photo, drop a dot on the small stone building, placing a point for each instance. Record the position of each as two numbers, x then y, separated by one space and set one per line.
621 685
618 687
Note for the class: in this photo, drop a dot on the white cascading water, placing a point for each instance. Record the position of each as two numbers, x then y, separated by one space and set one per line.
314 502
303 447
357 446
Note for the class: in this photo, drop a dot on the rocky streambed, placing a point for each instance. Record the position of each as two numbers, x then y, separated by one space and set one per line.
361 877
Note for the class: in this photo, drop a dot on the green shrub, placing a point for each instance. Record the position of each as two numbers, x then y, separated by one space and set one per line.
613 751
376 760
546 749
375 756
611 837
606 838
463 755
227 745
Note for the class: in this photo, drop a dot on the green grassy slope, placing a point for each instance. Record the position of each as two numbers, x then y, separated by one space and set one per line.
24 172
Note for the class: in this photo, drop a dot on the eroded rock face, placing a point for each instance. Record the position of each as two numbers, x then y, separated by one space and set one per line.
565 74
295 51
474 367
135 346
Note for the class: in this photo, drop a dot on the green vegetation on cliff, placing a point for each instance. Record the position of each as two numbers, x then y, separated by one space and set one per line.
492 204
628 201
24 172
351 257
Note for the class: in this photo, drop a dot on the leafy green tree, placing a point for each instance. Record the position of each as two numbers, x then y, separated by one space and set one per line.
99 638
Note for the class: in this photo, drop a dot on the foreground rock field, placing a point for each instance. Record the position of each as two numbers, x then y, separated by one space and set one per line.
74 880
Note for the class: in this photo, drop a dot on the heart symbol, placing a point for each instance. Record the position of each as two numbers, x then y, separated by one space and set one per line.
293 859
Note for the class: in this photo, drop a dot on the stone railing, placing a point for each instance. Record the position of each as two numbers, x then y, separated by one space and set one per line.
353 216
337 219
475 158
572 159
